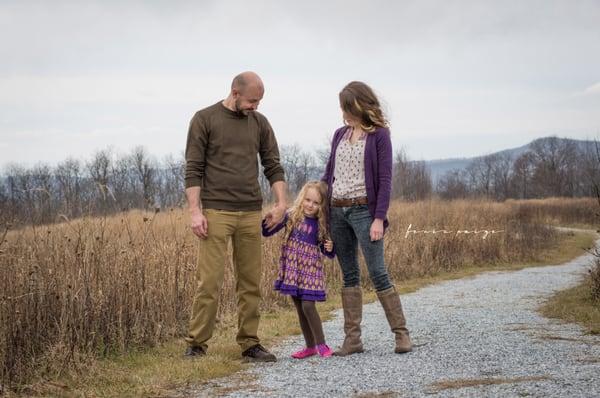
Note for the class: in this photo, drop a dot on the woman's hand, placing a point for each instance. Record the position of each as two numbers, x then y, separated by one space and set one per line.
376 230
328 245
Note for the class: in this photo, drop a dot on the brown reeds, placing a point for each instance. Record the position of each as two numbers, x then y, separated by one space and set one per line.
97 286
559 211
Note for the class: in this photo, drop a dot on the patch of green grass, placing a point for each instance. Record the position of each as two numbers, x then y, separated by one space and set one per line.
575 305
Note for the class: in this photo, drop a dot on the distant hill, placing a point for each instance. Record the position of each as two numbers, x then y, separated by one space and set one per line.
439 167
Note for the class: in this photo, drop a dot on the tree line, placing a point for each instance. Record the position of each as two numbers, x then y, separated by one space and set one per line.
110 182
551 167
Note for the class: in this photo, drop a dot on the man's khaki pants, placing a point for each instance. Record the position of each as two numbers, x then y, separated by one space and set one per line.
244 230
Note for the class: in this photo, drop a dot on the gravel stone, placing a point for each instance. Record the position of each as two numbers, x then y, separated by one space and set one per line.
484 327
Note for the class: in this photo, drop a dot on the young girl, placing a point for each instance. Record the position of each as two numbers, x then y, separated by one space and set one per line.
300 265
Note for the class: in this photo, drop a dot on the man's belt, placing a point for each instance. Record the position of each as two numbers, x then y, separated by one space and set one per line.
349 202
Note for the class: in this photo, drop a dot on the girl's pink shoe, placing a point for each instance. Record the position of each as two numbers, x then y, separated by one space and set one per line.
305 353
324 350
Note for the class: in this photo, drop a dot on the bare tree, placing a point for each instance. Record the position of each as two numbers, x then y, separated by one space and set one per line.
69 185
290 160
400 174
170 185
502 170
554 167
300 166
411 180
453 185
480 174
18 191
4 201
99 168
523 168
122 183
43 192
588 171
145 171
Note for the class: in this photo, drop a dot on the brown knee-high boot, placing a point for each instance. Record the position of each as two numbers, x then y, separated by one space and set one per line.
390 301
352 303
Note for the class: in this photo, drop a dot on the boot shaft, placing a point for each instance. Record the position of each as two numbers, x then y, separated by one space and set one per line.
392 306
352 304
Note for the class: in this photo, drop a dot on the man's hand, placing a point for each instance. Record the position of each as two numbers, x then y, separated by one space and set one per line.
376 231
199 224
277 212
274 216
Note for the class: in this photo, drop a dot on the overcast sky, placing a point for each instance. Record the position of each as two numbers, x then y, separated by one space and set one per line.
458 78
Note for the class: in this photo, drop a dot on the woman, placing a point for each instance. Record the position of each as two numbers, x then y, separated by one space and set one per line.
359 177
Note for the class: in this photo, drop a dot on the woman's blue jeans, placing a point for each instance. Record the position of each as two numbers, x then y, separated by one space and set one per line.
350 226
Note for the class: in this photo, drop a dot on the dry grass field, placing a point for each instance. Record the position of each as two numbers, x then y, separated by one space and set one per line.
581 212
100 287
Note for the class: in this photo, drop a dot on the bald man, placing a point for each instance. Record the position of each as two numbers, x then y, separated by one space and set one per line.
224 200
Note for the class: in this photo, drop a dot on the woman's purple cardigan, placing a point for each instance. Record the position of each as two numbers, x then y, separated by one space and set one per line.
378 170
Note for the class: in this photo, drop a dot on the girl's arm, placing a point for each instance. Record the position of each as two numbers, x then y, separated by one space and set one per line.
327 253
278 227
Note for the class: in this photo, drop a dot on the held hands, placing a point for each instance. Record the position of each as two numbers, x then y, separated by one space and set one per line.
376 231
274 216
199 224
328 245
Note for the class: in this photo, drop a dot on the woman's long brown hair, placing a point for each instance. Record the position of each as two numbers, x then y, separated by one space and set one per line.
359 100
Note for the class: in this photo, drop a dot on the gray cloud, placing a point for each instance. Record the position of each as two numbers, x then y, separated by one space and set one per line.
449 71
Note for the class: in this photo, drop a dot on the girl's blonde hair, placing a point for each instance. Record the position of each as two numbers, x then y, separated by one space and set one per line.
359 100
296 214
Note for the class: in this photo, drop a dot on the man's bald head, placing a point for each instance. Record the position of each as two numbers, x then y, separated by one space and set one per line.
247 80
246 92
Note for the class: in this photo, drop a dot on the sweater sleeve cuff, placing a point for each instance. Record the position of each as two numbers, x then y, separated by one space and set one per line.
276 177
193 182
382 215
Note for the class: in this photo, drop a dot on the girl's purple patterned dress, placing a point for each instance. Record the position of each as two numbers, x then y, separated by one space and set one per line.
300 265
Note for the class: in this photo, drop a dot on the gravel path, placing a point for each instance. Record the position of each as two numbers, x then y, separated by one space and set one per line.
483 328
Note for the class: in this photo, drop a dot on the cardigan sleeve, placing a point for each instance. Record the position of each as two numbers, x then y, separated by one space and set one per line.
384 173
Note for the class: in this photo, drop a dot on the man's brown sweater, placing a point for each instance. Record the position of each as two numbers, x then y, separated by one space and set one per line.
221 157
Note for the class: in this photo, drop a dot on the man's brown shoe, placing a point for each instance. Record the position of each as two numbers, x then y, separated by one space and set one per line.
258 353
194 352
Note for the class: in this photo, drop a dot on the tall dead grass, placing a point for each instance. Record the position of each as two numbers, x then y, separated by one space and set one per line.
98 286
559 211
